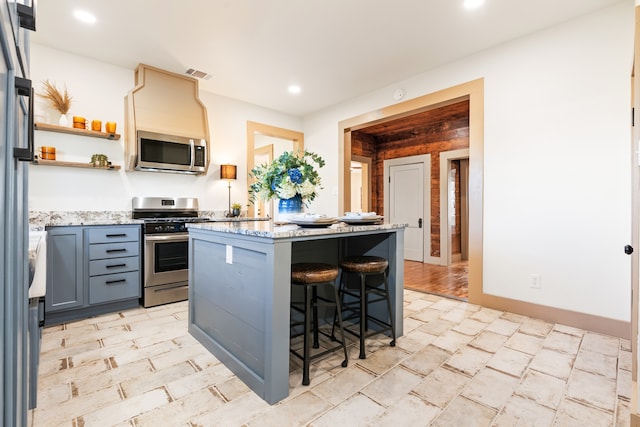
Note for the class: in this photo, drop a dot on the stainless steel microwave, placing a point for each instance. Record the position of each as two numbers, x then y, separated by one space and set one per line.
170 153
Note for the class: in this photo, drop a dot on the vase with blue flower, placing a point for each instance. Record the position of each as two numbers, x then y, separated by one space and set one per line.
292 179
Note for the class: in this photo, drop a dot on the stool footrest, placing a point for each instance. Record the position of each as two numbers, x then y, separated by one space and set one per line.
370 333
322 353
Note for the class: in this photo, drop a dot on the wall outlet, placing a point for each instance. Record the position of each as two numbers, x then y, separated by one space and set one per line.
534 281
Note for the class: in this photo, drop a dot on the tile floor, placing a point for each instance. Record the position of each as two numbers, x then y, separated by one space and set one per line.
457 365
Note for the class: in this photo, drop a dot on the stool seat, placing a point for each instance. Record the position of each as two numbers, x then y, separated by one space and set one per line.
364 264
309 272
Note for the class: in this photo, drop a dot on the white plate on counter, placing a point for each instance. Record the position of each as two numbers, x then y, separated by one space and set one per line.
362 220
313 222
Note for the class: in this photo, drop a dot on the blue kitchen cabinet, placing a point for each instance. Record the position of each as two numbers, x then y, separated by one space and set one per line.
65 272
92 270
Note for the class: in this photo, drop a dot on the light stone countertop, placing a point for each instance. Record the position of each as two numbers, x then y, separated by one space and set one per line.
271 230
38 220
237 219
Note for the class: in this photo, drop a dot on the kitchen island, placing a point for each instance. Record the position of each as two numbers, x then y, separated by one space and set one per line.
239 288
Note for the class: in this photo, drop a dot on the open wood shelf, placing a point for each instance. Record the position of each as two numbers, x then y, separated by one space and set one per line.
74 131
87 165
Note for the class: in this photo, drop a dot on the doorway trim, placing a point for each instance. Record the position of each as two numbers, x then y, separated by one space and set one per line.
472 91
445 220
366 178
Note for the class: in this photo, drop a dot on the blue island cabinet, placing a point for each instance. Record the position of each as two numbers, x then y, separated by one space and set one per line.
240 289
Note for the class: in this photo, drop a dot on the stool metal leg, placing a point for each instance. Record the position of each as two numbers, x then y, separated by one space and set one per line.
391 321
363 314
307 338
339 314
338 288
314 304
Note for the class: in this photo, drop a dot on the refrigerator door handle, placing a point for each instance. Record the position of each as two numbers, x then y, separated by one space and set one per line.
24 88
27 15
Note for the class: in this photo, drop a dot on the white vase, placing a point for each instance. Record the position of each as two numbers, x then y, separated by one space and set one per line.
62 121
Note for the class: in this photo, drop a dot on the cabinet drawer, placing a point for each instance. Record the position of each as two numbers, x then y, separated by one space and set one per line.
114 234
99 267
113 287
114 250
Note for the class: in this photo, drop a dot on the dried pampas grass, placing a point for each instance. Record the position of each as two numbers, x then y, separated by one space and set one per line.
60 101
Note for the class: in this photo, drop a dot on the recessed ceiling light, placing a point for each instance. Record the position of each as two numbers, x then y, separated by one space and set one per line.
472 4
294 89
84 16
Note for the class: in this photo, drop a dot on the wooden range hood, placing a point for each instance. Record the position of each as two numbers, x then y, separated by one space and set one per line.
166 103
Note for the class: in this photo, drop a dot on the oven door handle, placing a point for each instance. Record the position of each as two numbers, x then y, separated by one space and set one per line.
177 237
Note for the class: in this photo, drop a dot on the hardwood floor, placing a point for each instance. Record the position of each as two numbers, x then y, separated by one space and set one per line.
448 281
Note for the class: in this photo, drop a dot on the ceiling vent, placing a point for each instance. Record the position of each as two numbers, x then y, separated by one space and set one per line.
198 74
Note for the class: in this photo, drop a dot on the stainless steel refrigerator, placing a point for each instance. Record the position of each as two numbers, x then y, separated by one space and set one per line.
16 150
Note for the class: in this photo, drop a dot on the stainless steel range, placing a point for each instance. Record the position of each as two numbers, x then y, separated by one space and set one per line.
166 246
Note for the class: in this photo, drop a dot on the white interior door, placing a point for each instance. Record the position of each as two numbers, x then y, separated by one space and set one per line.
406 206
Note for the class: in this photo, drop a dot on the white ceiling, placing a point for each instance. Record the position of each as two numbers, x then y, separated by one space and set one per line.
334 49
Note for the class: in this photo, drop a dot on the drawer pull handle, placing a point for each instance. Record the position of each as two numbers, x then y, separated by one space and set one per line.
117 235
111 282
115 250
116 265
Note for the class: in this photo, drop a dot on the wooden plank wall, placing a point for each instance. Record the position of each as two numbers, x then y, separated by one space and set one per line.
429 132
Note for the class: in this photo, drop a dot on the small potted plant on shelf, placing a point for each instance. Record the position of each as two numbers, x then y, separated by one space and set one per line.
99 160
235 209
60 101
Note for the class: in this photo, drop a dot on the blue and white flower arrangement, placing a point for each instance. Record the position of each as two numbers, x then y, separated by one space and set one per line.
290 175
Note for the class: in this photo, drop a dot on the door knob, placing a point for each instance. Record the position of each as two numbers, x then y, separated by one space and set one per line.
419 222
628 249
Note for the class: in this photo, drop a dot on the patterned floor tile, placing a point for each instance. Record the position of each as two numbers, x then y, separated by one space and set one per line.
441 387
465 412
592 389
468 360
491 388
409 411
457 364
525 413
344 384
356 411
553 363
542 389
292 413
525 343
510 361
597 363
571 413
392 386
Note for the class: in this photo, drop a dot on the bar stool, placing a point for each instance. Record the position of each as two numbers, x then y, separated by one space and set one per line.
358 305
310 276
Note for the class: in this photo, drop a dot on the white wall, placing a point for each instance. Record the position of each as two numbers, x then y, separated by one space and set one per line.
556 160
98 90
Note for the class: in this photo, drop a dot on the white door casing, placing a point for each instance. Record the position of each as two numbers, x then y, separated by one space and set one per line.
407 201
